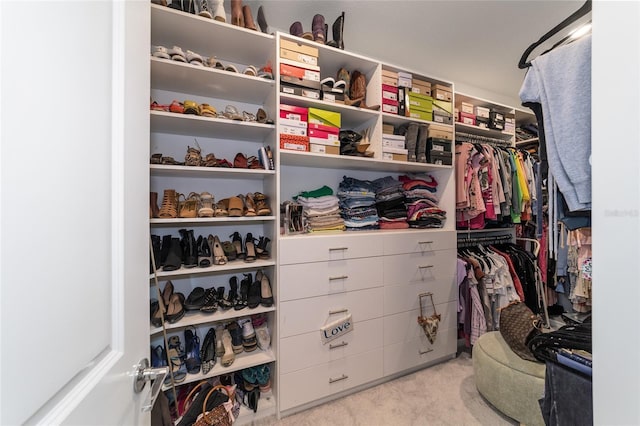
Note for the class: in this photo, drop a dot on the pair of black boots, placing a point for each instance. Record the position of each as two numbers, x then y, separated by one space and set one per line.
170 253
415 141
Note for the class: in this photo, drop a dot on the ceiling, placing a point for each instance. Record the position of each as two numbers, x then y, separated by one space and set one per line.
475 44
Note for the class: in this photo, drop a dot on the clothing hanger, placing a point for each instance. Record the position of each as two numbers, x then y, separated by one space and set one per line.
586 8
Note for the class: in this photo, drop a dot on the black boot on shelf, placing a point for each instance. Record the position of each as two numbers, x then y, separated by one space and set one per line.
232 297
211 302
236 240
164 250
262 248
338 33
189 248
174 255
205 258
245 284
156 244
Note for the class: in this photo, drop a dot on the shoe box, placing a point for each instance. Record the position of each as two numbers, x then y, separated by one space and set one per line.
292 128
421 87
437 144
300 91
440 132
392 141
389 78
321 134
304 54
442 117
294 142
404 79
324 149
441 92
328 118
466 118
440 158
294 112
394 154
496 120
510 124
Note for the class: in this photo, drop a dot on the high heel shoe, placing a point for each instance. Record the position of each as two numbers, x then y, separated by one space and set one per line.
237 17
232 297
205 258
250 248
236 240
218 10
266 295
216 248
245 284
261 248
208 351
189 249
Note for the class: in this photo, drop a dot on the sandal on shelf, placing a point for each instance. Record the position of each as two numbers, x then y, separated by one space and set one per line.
240 161
206 205
193 157
158 107
262 206
247 116
229 250
169 208
160 52
194 58
235 207
191 107
207 110
250 248
236 240
221 208
213 62
177 54
261 248
232 113
250 205
205 257
210 160
231 68
250 70
189 207
176 107
156 159
171 161
254 163
219 257
261 116
223 162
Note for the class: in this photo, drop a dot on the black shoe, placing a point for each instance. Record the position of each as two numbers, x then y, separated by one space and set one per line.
232 297
210 302
245 284
236 240
156 243
236 337
253 297
204 252
192 351
262 248
338 33
174 256
208 351
164 250
195 300
189 248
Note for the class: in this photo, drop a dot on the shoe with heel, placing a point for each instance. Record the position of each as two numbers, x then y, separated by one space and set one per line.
250 248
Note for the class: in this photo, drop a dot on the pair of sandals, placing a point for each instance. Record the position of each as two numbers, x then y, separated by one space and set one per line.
241 161
177 54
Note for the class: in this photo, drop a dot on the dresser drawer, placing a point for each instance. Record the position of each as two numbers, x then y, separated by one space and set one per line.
322 278
303 386
418 241
306 315
320 248
402 356
404 327
306 350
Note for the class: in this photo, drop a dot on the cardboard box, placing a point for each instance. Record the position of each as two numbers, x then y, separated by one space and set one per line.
439 157
393 141
466 118
330 96
324 149
441 94
292 130
324 128
402 102
443 105
390 74
299 91
497 116
482 112
436 144
422 102
389 92
404 82
299 72
322 116
299 64
389 108
294 142
323 141
466 108
420 89
389 102
442 117
298 47
302 82
392 156
388 81
496 124
439 131
293 112
298 57
388 129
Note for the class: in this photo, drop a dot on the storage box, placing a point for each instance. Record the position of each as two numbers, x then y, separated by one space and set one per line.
442 117
388 129
482 112
404 79
497 116
443 105
324 128
322 116
324 149
422 102
422 90
439 157
299 72
390 74
302 82
299 91
466 108
421 114
436 144
441 94
393 141
389 81
292 130
389 92
298 57
496 124
298 47
394 154
482 122
466 118
331 96
294 142
292 122
389 108
299 64
402 101
323 138
440 132
293 112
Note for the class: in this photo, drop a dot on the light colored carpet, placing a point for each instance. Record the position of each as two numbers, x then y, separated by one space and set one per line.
444 394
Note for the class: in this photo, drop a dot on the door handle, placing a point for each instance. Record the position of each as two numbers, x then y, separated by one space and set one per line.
143 374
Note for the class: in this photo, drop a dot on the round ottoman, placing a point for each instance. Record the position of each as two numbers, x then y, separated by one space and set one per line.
510 383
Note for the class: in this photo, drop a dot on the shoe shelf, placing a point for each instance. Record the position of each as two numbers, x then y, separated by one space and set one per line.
209 82
481 131
199 318
210 220
243 360
351 116
161 170
171 27
399 120
194 125
324 161
231 266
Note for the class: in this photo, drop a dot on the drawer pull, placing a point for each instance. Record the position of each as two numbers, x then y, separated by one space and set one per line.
338 345
338 248
338 379
338 311
425 267
425 352
342 277
425 242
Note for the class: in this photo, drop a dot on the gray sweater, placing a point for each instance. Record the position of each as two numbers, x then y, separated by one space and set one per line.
560 81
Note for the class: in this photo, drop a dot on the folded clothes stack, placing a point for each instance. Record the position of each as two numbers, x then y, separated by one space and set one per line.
358 204
420 191
390 203
321 210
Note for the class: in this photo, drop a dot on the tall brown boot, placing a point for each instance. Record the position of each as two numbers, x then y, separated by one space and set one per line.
237 17
358 91
154 211
248 18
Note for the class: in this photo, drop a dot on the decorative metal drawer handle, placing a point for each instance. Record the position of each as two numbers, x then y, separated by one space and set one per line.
338 248
425 242
425 352
343 277
338 379
338 345
425 266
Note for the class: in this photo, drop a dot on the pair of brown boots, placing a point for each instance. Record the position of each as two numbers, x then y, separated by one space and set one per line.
242 17
355 93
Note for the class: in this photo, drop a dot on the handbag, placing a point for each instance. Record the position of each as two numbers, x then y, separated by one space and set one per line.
430 323
221 414
518 325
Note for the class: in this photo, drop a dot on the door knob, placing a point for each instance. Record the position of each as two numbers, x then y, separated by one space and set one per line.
143 374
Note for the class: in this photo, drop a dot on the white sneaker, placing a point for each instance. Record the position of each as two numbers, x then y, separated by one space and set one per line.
263 336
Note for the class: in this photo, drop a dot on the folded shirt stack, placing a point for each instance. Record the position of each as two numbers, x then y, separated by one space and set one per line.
390 203
321 210
420 191
358 204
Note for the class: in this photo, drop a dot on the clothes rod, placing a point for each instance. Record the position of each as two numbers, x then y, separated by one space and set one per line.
468 137
495 239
